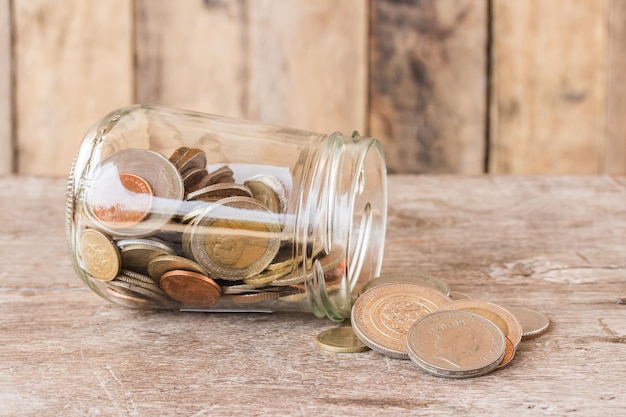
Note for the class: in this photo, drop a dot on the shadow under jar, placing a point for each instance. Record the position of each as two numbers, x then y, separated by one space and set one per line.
174 209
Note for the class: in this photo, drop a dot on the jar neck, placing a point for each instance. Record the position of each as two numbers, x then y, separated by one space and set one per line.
343 218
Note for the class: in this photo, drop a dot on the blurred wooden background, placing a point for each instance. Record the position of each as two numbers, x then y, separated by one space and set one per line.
448 86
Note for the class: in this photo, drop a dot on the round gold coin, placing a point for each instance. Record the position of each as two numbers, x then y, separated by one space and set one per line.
504 319
382 316
161 264
269 191
341 340
420 279
236 238
99 254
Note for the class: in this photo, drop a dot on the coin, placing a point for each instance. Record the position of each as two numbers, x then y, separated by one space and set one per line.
221 175
341 340
252 298
235 238
136 277
190 288
139 290
177 154
190 159
509 353
382 316
269 191
455 295
161 264
156 170
267 276
327 263
420 279
218 191
100 255
504 319
534 323
455 344
194 179
137 256
129 198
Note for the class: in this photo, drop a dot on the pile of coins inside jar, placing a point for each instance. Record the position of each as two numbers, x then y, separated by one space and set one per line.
171 233
446 334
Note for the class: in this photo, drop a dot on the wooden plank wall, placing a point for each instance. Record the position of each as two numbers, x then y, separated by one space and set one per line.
448 86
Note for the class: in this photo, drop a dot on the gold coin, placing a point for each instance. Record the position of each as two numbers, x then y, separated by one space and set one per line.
534 323
455 295
505 320
236 238
382 315
455 344
327 263
100 255
269 191
341 340
266 277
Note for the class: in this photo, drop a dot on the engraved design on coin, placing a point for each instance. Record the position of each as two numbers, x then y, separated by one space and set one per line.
382 316
100 255
456 344
236 238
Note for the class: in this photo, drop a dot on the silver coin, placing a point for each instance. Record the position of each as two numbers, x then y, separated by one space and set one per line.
455 344
420 279
158 171
269 191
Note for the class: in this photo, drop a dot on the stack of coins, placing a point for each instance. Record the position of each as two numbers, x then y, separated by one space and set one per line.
414 317
169 232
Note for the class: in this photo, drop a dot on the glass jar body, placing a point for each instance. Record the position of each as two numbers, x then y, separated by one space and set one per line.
180 210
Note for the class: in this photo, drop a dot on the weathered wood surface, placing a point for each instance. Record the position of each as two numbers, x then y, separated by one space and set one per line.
74 65
550 86
555 244
427 77
298 63
6 90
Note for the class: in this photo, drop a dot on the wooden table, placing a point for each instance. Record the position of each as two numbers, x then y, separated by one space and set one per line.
555 244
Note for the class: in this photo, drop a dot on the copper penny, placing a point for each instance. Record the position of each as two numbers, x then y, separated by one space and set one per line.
129 202
190 288
509 353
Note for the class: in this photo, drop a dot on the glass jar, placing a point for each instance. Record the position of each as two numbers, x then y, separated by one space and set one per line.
174 209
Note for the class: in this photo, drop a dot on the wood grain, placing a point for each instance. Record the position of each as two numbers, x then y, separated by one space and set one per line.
192 55
549 86
552 243
73 66
615 155
427 81
308 64
6 90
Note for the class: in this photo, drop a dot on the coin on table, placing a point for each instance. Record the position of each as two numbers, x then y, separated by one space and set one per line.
503 318
455 344
534 323
382 316
341 340
269 191
161 264
100 255
420 279
509 354
106 190
190 288
236 238
128 201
